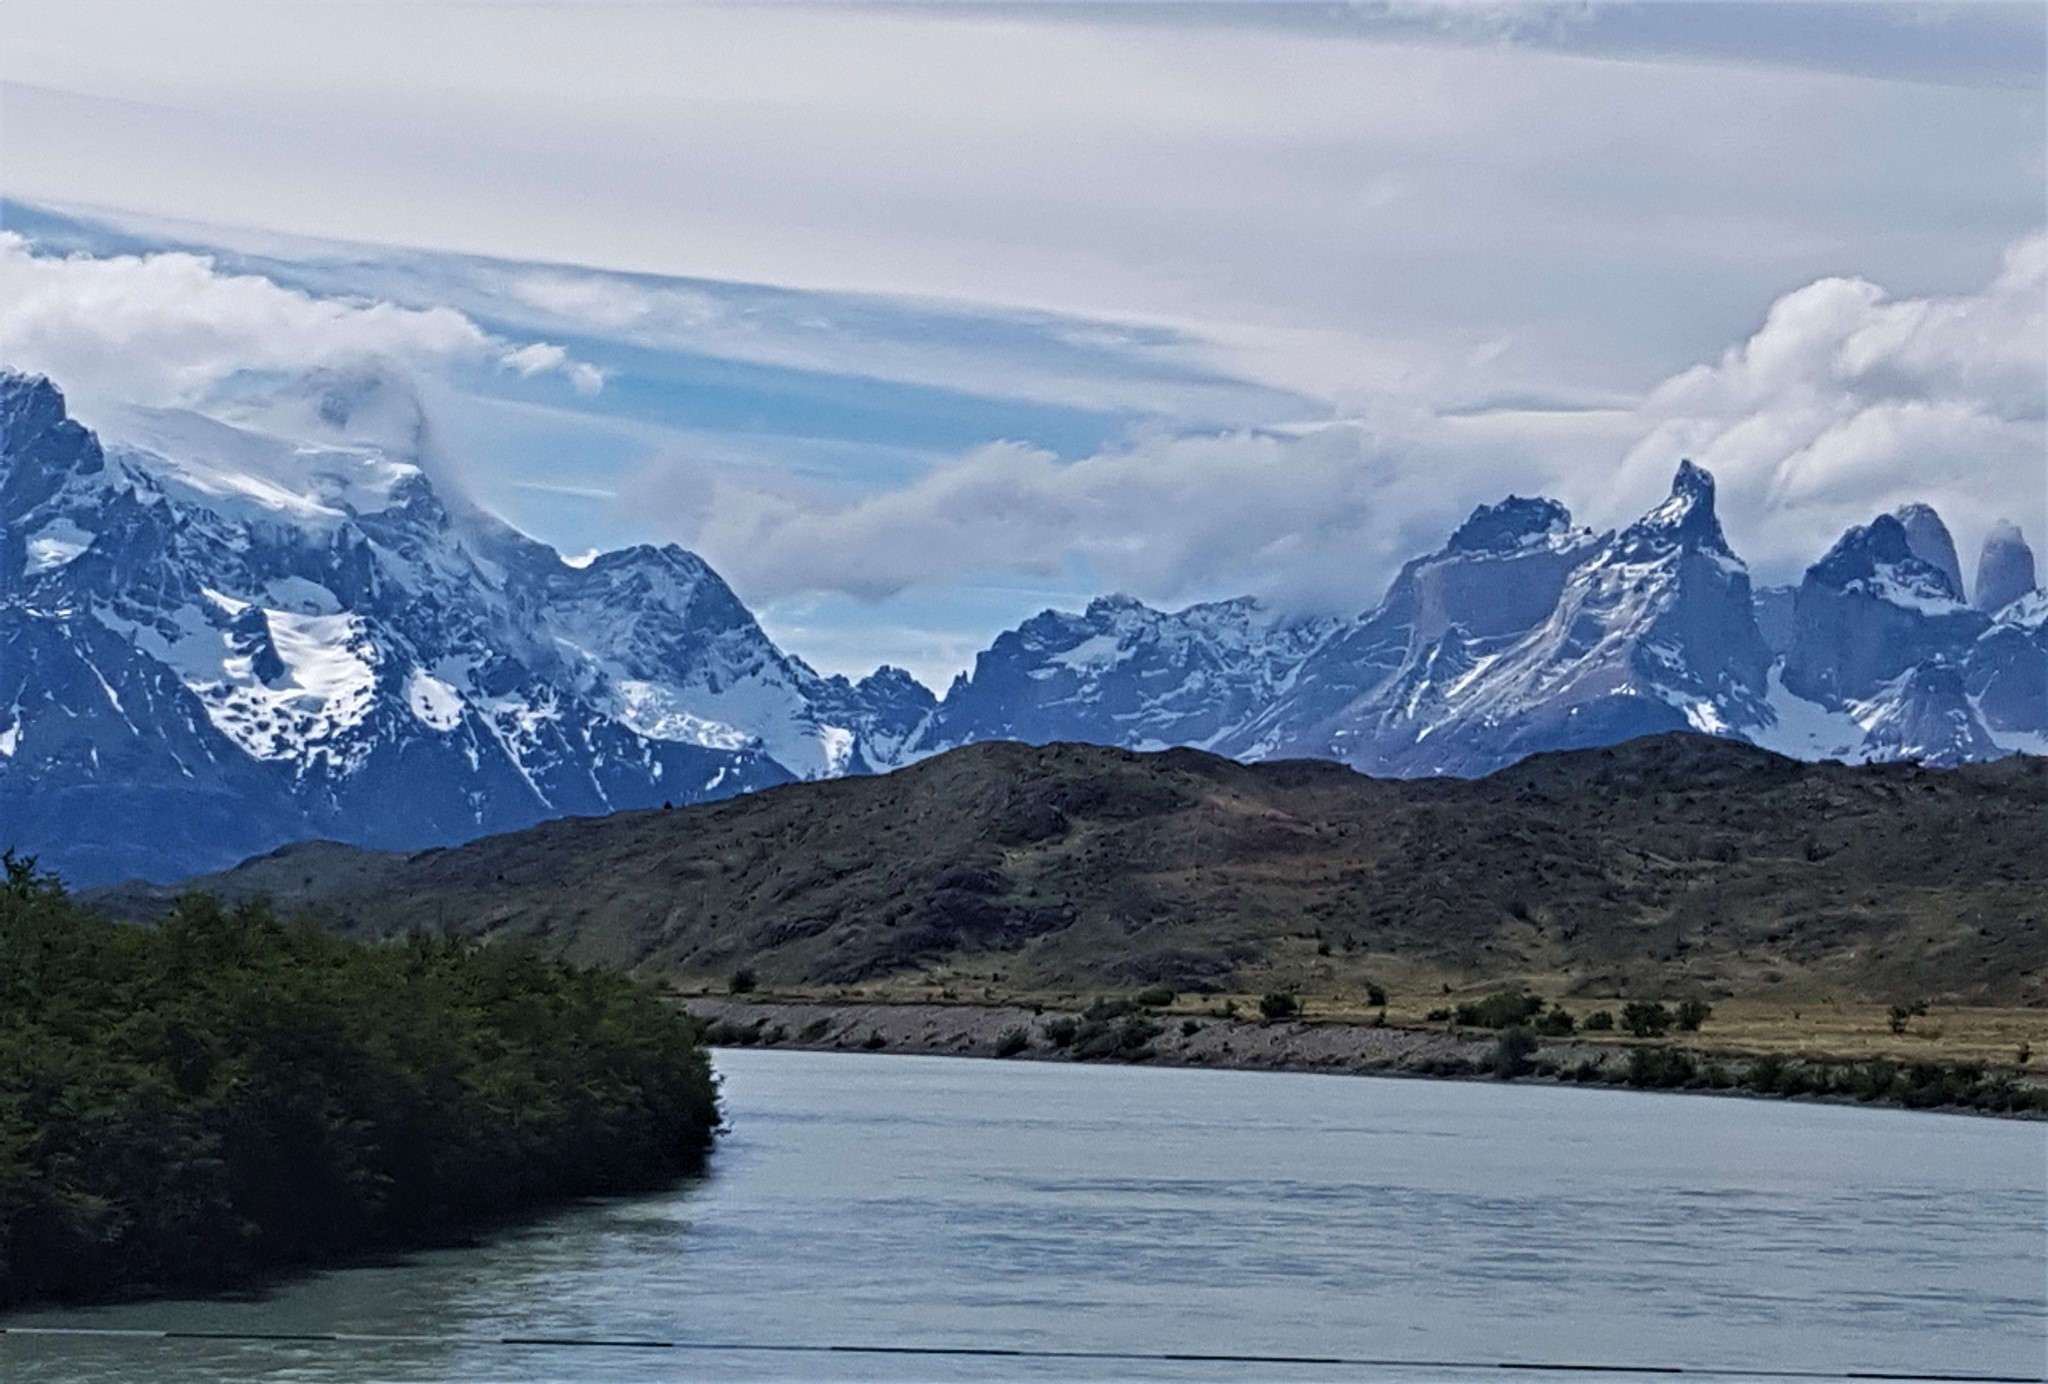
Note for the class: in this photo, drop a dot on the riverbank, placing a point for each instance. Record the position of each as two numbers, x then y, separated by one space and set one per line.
1170 1039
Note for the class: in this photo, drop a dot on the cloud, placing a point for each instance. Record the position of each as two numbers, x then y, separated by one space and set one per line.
165 328
1845 403
1314 520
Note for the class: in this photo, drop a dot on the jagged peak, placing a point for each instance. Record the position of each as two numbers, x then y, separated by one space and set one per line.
32 407
1685 518
1514 523
1880 555
1116 603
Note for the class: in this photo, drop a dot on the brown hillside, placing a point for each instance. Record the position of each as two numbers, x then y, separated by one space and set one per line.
1676 864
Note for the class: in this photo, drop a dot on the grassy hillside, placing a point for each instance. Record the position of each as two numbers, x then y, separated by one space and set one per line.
1672 865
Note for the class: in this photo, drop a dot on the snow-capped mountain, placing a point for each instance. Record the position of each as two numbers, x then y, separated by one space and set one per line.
1524 633
215 638
1122 673
222 633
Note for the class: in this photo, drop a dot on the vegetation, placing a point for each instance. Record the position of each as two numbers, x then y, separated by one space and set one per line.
1645 1018
1279 1004
186 1106
1011 1042
1110 1030
1512 1053
1499 1011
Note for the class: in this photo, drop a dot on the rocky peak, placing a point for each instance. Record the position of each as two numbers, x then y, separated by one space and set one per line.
1927 538
2005 568
40 444
1684 520
1513 523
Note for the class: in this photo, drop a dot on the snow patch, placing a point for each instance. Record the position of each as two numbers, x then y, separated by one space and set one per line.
1808 730
54 545
433 703
838 745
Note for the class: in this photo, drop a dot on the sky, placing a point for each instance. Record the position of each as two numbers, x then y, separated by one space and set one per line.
916 319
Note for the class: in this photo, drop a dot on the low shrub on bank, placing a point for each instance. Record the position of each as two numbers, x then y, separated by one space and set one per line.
187 1105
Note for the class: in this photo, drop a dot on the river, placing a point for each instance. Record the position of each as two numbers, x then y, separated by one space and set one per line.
1437 1228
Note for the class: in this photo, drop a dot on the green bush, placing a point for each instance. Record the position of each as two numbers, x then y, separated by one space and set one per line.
1278 1004
1691 1014
1557 1023
1660 1068
1505 1010
1512 1053
742 981
1154 997
1011 1042
1376 996
187 1106
1126 1039
1062 1031
1645 1018
1599 1021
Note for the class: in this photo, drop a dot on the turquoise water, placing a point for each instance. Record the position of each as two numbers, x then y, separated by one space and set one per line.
887 1201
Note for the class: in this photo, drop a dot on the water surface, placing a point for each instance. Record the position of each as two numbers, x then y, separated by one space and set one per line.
874 1200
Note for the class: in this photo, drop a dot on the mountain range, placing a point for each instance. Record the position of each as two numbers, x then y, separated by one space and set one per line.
225 631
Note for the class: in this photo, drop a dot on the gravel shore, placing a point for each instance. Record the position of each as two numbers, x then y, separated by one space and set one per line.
973 1030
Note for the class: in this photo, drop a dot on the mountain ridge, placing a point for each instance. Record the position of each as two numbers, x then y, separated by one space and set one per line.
221 632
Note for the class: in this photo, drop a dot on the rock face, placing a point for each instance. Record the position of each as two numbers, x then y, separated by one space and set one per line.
1928 539
1870 610
215 639
2005 568
219 634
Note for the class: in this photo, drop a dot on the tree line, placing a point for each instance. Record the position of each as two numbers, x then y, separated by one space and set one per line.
188 1105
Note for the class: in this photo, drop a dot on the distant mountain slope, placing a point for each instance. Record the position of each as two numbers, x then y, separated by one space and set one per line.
1678 862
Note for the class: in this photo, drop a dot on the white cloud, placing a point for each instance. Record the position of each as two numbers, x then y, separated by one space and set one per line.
535 359
1847 402
1844 404
165 328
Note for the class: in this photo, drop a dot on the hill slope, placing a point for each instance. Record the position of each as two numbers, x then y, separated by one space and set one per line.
1672 863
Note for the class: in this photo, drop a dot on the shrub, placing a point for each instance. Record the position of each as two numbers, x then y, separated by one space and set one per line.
1511 1054
1375 996
1127 1039
1599 1021
1660 1068
1154 997
1558 1023
1061 1031
743 981
1645 1018
1011 1042
1278 1004
1104 1010
1505 1010
1691 1014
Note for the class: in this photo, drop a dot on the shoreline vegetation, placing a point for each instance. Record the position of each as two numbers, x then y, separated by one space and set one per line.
205 1103
1227 1035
